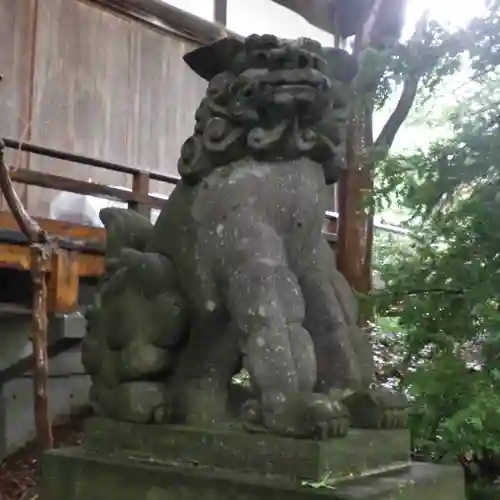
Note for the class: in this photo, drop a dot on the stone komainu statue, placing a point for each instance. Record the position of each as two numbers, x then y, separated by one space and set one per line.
236 273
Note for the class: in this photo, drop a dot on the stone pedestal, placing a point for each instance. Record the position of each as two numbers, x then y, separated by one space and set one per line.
135 462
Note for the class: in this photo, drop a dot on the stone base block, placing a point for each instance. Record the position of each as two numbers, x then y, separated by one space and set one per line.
231 448
79 474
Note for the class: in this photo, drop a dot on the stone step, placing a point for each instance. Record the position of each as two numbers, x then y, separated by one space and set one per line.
79 474
234 449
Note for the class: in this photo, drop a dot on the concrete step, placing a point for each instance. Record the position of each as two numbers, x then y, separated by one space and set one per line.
78 474
68 384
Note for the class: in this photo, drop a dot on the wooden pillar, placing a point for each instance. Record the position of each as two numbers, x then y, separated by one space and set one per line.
220 12
353 222
64 280
140 185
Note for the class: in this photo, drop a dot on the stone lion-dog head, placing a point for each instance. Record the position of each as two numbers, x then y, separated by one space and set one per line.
269 99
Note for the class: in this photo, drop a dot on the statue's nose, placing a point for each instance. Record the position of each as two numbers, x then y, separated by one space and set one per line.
293 58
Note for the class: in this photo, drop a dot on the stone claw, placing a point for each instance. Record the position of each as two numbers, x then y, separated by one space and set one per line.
308 416
377 408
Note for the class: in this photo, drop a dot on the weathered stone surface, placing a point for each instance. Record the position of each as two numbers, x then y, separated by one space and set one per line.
236 273
259 454
139 401
80 475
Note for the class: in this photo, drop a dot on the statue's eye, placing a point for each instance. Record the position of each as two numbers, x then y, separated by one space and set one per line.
317 63
260 58
282 62
303 61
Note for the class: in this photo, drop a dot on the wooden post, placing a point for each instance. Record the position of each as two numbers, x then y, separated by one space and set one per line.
140 185
220 12
355 225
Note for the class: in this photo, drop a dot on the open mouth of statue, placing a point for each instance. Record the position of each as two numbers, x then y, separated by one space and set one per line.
284 87
291 94
302 87
298 79
295 88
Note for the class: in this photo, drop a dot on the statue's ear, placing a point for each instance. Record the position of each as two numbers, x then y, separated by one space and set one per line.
210 60
124 229
342 66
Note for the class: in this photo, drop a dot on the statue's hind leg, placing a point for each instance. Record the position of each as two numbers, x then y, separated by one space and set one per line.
344 355
266 304
331 327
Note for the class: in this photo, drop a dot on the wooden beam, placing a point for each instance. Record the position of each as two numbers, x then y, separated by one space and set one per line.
60 183
220 12
86 160
162 15
15 257
140 185
18 257
90 266
58 228
63 286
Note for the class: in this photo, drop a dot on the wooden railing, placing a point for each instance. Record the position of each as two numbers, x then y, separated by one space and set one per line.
138 198
80 248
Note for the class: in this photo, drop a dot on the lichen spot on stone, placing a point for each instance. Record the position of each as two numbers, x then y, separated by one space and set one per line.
210 305
155 493
260 342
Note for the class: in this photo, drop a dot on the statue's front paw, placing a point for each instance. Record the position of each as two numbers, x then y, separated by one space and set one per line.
377 408
312 416
140 401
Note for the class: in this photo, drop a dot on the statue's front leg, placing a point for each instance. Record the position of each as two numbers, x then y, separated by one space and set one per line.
265 302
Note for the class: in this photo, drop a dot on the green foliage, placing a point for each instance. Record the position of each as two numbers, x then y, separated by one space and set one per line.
453 171
431 54
443 283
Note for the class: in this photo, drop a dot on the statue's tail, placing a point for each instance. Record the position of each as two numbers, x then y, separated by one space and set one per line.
136 323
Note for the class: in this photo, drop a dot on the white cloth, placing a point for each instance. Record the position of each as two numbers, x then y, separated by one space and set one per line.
84 209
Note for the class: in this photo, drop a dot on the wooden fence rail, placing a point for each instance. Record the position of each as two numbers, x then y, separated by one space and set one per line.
137 199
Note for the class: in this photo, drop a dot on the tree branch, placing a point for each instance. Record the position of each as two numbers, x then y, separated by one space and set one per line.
400 113
41 248
368 26
407 97
30 228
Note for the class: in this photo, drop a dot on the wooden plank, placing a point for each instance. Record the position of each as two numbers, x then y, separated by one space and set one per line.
81 94
15 257
15 20
59 228
115 89
90 266
63 285
18 257
10 309
140 185
60 183
166 96
187 24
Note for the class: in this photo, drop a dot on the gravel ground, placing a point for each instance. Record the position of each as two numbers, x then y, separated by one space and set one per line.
19 472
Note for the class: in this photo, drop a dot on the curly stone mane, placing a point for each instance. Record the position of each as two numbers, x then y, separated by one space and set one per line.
276 100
